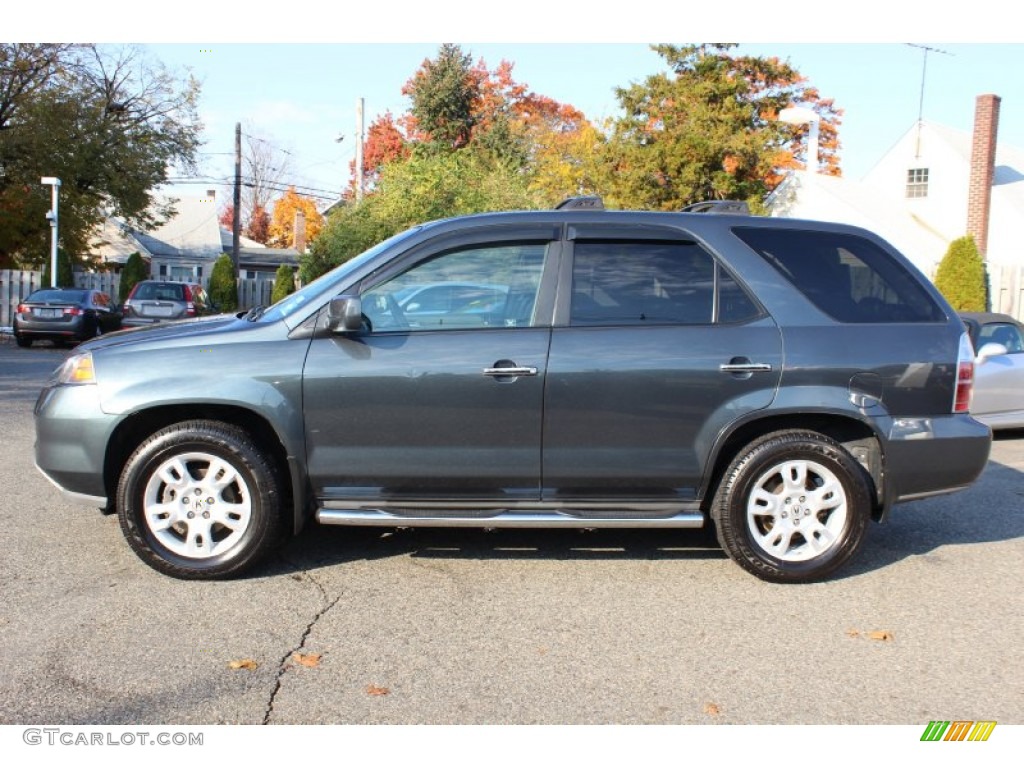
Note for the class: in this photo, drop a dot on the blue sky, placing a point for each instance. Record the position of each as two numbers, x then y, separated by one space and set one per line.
300 94
302 97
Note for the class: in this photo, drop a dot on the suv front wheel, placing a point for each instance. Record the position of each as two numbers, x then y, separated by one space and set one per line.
792 507
198 500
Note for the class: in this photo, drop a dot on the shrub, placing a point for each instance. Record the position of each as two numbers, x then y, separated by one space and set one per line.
65 271
135 271
961 276
284 283
223 286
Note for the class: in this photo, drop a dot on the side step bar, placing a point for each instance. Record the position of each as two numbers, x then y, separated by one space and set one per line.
504 520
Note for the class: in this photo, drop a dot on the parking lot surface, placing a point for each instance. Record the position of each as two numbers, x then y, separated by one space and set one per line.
505 627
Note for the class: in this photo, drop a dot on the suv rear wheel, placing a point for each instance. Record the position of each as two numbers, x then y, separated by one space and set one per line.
197 500
792 507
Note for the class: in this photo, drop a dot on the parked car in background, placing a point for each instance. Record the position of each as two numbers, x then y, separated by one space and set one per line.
64 315
158 301
999 369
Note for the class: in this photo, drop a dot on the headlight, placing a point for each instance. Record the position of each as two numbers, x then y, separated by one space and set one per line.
77 369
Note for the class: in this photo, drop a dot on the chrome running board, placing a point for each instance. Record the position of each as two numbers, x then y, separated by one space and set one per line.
379 517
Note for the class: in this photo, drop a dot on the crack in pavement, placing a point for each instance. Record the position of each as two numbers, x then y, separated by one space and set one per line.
283 665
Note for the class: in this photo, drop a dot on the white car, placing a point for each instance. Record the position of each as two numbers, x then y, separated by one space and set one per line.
999 369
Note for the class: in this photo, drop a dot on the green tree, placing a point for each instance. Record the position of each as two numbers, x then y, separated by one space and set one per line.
284 283
223 286
135 271
65 270
708 129
425 187
110 124
443 93
961 276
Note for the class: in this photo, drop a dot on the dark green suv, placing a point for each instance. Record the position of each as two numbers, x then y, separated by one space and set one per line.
785 381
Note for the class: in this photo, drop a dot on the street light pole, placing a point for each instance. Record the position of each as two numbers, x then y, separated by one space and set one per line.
54 184
799 116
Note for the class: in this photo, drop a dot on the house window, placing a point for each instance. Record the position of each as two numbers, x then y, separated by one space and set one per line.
917 182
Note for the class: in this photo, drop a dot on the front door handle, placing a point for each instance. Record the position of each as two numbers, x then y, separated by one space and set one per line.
508 370
511 371
747 367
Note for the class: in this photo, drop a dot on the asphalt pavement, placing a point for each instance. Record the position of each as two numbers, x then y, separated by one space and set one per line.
504 627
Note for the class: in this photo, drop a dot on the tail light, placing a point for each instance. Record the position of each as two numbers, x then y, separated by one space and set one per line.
964 376
127 308
190 309
74 311
23 309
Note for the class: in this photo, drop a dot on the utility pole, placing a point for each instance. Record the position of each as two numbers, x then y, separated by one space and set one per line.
236 223
51 215
359 148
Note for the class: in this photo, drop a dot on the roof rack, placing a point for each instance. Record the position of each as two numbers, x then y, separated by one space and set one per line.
719 206
586 203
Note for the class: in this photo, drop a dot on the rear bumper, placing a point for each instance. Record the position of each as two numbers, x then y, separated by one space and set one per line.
928 456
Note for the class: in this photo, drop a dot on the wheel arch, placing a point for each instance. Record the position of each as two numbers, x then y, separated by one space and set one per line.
134 429
859 438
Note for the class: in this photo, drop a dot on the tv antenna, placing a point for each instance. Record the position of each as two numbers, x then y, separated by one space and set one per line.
925 50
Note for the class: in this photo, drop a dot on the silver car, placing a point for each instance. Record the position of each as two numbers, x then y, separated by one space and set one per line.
999 369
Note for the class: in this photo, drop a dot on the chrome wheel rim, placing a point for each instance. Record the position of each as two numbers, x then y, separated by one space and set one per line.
797 511
197 505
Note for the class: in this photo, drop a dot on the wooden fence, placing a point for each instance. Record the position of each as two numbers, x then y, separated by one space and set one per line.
15 285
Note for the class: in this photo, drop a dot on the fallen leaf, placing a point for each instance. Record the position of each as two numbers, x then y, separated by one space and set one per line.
712 709
376 690
307 659
242 664
852 633
880 635
542 651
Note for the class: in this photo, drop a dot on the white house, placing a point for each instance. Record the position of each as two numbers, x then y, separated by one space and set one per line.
935 185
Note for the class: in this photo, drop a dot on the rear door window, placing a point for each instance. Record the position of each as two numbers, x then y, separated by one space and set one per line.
653 283
848 277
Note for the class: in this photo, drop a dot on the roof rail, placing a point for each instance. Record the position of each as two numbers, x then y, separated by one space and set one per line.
587 203
719 206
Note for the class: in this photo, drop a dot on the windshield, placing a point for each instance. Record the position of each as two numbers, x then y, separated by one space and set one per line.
298 300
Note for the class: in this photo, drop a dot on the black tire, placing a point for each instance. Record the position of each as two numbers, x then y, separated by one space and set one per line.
22 341
781 482
225 525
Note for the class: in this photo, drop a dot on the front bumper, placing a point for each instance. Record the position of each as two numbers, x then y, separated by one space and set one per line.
72 433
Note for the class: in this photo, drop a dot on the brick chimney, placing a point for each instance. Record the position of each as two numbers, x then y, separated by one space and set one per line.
983 168
299 232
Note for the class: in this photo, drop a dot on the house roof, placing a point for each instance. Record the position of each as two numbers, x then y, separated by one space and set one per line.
920 228
193 233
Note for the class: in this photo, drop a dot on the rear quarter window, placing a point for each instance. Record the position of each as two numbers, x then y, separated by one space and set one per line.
848 277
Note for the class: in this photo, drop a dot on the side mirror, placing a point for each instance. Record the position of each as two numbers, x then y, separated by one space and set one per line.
990 350
345 314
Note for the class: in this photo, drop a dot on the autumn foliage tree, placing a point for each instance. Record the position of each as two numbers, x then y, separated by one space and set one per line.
282 226
708 129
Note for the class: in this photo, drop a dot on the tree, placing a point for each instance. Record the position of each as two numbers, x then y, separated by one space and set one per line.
258 228
284 283
709 129
264 166
427 186
961 276
443 92
282 226
65 270
107 122
223 286
384 144
135 270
